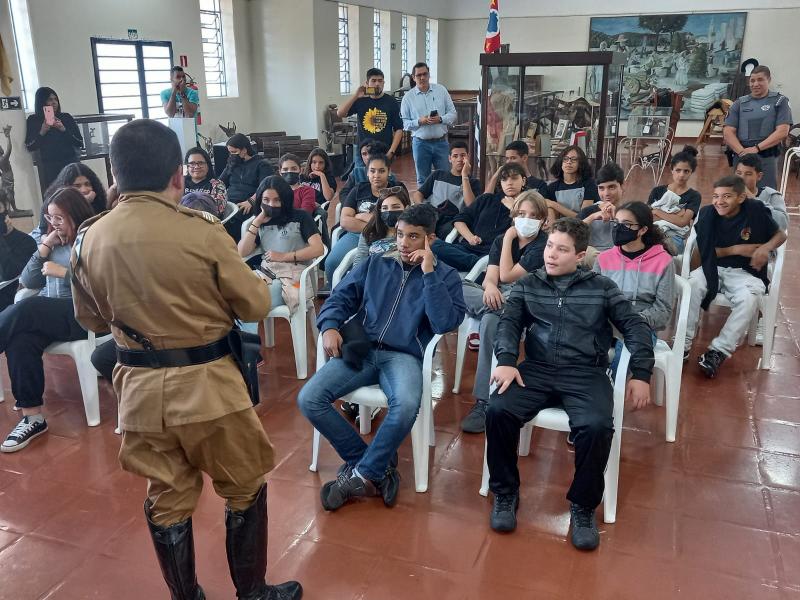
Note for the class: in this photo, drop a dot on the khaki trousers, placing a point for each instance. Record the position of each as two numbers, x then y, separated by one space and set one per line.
233 450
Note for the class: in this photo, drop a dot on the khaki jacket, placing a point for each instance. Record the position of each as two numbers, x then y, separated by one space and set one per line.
174 275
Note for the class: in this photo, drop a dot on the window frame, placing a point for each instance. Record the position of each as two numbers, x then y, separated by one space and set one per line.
220 57
343 34
404 44
377 54
138 44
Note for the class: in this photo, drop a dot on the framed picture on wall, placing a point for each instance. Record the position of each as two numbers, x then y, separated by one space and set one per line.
561 129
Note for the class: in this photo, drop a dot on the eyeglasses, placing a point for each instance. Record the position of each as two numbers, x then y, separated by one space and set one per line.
628 224
54 220
391 191
197 165
570 159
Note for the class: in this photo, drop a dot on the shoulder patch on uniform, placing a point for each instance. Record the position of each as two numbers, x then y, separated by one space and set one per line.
206 216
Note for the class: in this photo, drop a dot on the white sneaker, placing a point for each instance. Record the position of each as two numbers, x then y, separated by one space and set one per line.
760 332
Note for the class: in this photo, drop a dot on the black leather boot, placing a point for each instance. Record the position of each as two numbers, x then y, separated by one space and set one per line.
175 551
246 545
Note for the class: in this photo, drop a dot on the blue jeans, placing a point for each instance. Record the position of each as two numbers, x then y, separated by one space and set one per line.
276 299
399 376
678 241
618 354
427 153
458 256
348 241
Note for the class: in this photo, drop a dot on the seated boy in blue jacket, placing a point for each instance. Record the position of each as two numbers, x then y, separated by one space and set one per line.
400 299
567 313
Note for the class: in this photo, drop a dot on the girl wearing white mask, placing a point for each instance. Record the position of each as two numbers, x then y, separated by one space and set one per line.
519 251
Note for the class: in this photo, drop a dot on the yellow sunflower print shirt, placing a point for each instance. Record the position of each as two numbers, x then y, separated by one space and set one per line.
374 121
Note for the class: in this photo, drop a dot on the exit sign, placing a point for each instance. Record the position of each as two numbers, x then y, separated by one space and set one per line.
10 103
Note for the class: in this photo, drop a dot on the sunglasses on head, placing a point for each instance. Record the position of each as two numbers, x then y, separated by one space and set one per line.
390 191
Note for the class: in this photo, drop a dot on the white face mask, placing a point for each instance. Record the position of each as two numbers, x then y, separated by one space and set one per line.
526 227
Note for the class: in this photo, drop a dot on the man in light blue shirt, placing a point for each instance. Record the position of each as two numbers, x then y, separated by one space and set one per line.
180 100
427 111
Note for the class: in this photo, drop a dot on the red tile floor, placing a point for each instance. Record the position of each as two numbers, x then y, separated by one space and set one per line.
714 515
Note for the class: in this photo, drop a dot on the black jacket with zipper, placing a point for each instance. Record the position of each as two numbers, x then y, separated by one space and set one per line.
571 328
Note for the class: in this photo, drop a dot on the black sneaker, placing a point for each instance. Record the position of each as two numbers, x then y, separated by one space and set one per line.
585 535
347 485
475 421
504 512
350 410
686 352
25 431
389 486
710 362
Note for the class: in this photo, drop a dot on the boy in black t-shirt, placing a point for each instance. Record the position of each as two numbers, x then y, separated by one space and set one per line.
482 221
378 114
735 236
16 249
449 191
516 152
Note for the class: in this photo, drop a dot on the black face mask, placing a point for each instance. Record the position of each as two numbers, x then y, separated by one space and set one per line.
266 209
3 228
390 217
291 177
622 234
234 160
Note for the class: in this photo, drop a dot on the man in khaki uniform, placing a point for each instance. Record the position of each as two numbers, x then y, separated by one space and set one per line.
173 275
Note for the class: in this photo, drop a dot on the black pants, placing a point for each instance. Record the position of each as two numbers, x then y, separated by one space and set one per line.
587 397
104 359
26 329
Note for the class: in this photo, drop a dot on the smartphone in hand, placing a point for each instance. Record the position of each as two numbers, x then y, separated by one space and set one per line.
434 113
268 272
370 91
49 115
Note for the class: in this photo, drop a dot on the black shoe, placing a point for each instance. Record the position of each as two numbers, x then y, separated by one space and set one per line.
710 362
246 547
350 410
475 421
571 438
686 352
23 434
347 485
585 535
389 486
175 551
504 512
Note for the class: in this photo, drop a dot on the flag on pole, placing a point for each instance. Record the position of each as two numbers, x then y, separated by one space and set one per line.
492 43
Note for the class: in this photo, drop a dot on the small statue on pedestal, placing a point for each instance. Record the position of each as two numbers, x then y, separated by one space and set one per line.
7 177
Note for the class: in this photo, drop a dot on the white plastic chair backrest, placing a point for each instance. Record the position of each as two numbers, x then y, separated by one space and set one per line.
777 271
309 271
452 236
684 293
344 267
230 210
479 268
686 263
246 224
791 154
338 214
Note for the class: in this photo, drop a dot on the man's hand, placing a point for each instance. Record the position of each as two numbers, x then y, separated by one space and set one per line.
637 393
424 256
434 120
332 342
750 150
361 91
245 207
466 170
53 269
474 240
492 297
424 120
760 258
504 377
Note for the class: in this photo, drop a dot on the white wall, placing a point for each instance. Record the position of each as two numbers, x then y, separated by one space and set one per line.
61 32
767 38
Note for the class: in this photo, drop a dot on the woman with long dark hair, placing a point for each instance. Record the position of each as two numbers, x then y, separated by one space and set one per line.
379 234
29 326
640 266
58 142
287 237
200 178
573 189
242 176
82 178
318 174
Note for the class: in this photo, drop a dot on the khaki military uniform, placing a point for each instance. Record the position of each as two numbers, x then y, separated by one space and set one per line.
174 275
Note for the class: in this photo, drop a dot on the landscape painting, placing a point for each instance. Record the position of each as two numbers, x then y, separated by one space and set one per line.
697 54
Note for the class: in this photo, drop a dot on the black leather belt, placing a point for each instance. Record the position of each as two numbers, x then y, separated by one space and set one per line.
439 139
177 357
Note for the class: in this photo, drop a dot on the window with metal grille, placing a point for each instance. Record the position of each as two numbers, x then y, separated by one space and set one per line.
130 75
428 42
376 38
344 50
404 44
213 48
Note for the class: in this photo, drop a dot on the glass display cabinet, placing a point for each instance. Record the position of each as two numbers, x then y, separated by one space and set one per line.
540 98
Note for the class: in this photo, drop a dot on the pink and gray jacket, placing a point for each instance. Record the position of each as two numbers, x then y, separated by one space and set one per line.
648 281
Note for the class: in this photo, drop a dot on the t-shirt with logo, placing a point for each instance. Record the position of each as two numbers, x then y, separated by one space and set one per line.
313 182
361 199
756 118
531 257
378 118
737 230
572 195
291 236
445 193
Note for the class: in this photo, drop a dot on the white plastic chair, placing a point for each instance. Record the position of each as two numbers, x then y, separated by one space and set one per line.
467 325
768 306
668 369
556 419
81 353
372 396
344 267
230 211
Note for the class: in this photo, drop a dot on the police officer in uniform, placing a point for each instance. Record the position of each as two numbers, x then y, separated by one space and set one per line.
758 123
171 278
